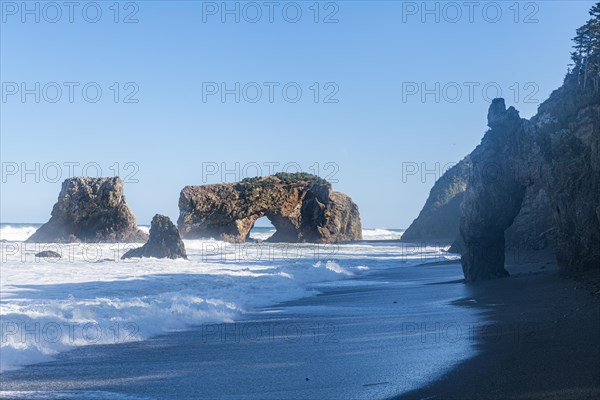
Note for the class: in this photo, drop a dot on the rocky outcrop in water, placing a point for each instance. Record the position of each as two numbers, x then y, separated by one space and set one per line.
48 254
164 242
90 210
301 207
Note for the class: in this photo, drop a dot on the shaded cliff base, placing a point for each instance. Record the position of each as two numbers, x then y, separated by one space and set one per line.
554 351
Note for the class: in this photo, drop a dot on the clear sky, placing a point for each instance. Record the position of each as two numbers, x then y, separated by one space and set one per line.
369 129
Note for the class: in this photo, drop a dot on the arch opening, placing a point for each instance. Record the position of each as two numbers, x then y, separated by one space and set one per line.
262 229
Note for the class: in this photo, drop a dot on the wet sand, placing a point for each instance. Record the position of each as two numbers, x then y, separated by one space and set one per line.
543 341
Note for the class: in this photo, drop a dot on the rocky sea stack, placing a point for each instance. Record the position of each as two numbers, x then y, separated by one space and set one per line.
90 210
301 207
164 242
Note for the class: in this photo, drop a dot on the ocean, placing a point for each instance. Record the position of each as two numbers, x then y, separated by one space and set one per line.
90 297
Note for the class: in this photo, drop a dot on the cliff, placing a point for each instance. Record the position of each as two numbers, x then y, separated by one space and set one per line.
438 222
528 185
439 218
568 127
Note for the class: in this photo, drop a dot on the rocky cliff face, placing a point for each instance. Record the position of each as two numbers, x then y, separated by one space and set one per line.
555 156
90 210
438 220
164 242
529 185
533 184
568 127
302 208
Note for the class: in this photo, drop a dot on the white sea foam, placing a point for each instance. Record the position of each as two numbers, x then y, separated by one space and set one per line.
16 232
382 234
90 296
22 232
262 234
368 234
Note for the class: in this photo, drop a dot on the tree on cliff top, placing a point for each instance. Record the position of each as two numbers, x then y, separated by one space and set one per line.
586 57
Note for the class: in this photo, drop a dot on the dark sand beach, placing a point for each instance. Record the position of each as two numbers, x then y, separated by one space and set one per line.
549 344
406 332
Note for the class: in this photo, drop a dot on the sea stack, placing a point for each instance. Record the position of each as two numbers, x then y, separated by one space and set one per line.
164 242
301 207
90 210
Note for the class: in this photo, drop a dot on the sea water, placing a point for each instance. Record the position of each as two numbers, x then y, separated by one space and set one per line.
90 296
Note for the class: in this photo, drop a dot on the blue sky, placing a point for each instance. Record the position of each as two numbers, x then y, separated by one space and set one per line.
373 58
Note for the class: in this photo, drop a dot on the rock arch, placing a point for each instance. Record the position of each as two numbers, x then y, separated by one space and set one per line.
301 207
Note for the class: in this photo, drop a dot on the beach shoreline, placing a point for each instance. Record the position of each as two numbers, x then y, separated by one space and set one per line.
361 340
330 345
